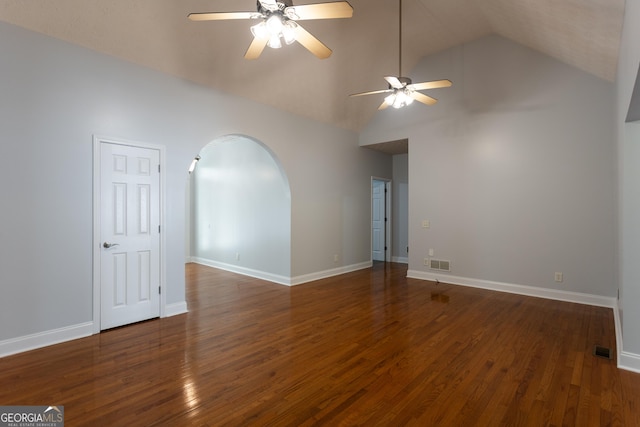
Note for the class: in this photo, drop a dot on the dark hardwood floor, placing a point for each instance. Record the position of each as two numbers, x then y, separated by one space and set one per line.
365 348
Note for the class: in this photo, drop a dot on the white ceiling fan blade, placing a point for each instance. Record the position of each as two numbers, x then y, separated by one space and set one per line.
435 84
256 47
421 97
312 44
384 105
372 92
338 9
394 82
217 16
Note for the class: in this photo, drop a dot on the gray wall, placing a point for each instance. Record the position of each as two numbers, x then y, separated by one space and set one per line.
331 201
400 194
514 168
56 96
628 136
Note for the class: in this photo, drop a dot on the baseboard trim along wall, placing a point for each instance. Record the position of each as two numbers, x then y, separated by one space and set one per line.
305 278
629 361
625 360
44 339
282 280
175 309
531 291
68 333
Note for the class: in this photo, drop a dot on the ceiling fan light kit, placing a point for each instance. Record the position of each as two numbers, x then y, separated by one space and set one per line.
399 98
278 23
401 91
274 29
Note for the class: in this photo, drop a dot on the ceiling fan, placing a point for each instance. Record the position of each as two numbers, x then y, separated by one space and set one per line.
278 22
401 90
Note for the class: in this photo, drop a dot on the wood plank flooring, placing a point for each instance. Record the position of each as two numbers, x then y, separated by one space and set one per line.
366 348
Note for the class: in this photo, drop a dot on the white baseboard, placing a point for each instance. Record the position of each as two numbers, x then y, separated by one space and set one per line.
400 259
68 333
626 360
298 280
175 309
629 361
532 291
44 339
282 280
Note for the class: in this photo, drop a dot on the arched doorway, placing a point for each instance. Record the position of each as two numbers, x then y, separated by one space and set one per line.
240 209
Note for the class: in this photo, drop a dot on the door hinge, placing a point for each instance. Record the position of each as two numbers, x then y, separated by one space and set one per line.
158 168
159 290
158 229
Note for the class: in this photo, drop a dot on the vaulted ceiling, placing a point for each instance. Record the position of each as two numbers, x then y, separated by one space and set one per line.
157 34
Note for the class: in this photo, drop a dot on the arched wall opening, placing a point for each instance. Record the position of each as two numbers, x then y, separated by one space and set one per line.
239 209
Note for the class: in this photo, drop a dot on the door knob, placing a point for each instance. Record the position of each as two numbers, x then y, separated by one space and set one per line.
109 245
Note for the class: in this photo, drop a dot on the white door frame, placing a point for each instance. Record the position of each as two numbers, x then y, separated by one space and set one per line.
388 223
96 243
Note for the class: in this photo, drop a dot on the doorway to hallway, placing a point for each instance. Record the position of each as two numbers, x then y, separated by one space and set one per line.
380 219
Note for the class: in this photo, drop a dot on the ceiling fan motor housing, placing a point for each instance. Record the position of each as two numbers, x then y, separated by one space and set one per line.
282 5
406 81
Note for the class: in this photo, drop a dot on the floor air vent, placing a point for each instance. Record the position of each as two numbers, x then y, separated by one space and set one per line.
602 352
438 264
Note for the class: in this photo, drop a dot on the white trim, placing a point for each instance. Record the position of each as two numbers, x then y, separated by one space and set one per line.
618 330
44 339
282 280
626 360
175 309
97 140
629 361
580 298
298 280
400 259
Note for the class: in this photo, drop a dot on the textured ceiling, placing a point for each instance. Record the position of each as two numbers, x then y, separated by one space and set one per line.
157 34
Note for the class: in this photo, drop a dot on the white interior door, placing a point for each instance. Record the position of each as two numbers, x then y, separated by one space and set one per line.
378 220
129 234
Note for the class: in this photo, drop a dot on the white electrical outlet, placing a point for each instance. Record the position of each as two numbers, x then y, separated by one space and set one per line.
431 252
335 258
237 256
426 261
558 277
